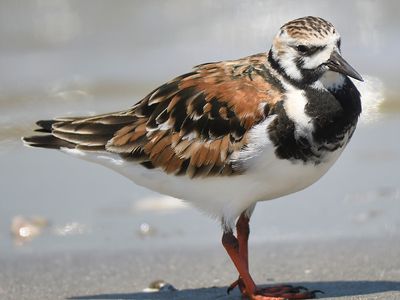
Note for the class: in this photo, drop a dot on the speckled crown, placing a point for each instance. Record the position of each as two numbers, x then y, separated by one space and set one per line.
308 27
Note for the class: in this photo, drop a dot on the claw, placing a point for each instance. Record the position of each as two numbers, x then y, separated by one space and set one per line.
232 286
237 283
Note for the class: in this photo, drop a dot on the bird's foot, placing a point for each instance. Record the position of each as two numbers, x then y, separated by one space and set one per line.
237 283
283 292
278 292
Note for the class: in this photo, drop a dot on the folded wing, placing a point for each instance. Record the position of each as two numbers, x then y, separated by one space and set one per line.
190 125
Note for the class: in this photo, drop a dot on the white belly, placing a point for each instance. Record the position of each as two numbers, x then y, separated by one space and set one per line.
224 197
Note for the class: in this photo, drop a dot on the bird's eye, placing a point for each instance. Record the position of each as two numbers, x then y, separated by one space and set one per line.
302 48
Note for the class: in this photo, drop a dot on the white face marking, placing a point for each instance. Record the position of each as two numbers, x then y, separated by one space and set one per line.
315 60
284 50
286 55
329 43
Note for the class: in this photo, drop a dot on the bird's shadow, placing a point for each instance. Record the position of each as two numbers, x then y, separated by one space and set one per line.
330 288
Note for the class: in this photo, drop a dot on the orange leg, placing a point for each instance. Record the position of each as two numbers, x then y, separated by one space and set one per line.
237 249
243 232
231 244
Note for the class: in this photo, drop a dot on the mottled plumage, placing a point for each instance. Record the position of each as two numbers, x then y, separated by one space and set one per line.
188 126
229 134
309 27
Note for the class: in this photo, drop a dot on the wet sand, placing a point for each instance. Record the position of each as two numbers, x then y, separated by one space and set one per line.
342 268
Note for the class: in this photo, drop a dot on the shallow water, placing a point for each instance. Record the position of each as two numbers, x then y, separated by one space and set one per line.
71 58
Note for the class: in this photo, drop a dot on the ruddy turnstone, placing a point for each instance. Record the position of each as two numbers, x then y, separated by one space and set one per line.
229 134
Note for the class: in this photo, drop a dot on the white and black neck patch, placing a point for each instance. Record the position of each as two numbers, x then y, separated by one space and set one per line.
332 114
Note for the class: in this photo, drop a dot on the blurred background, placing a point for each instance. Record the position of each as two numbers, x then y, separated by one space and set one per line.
62 58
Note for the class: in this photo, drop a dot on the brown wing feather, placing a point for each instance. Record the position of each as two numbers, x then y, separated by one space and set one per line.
196 121
190 125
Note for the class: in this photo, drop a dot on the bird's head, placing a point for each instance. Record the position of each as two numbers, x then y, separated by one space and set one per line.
307 48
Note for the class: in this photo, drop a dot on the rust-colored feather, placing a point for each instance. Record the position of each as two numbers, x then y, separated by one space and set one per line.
190 125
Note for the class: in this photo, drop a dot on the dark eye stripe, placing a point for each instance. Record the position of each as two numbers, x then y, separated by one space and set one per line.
302 48
310 50
315 50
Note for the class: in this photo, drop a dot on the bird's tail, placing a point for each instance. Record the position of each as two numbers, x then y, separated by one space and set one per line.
84 133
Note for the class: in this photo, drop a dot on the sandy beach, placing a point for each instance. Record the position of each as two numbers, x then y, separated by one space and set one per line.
343 269
70 229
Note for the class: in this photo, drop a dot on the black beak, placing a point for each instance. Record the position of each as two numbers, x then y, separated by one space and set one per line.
338 64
